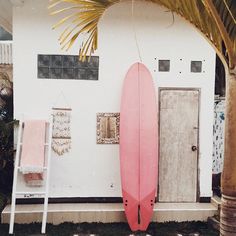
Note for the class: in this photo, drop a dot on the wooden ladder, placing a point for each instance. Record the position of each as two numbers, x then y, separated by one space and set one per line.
16 194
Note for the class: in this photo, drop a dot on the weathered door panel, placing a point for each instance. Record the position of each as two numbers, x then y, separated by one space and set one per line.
179 110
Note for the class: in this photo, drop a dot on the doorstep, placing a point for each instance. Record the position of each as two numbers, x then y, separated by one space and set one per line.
107 212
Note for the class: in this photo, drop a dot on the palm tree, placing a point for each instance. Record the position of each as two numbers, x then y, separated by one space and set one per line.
216 20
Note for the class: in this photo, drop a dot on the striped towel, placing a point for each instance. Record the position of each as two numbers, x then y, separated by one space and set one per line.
33 151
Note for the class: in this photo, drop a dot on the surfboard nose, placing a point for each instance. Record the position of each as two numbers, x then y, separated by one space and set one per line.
137 66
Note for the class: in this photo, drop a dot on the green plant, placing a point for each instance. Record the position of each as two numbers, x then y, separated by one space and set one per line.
6 134
6 155
6 98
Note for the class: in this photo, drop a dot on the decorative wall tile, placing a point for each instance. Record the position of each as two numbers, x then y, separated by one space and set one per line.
68 73
93 63
80 64
43 72
164 65
67 67
56 73
80 74
196 66
43 60
91 74
68 61
56 61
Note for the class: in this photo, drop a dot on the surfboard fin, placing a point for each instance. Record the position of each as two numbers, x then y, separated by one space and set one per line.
139 216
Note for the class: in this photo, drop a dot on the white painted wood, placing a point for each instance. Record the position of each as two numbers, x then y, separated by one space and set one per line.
34 193
178 164
13 200
17 194
49 151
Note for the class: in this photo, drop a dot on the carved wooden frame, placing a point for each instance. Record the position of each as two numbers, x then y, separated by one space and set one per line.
113 140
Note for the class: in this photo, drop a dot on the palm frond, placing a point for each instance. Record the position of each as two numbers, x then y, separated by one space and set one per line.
83 18
197 14
223 20
84 15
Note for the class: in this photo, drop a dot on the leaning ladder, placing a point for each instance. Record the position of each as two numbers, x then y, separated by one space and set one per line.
46 168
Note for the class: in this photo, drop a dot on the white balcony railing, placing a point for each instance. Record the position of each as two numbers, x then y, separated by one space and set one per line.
5 52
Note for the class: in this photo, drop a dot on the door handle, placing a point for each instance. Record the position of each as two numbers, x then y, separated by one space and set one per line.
194 148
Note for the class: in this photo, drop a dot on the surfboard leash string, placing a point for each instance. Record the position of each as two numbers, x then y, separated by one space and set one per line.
134 29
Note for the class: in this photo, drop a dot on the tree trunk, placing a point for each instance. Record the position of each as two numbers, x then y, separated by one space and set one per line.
228 182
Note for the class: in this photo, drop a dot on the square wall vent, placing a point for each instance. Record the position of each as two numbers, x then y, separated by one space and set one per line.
164 65
196 66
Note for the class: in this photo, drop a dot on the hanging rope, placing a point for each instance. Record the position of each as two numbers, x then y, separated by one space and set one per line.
61 95
135 34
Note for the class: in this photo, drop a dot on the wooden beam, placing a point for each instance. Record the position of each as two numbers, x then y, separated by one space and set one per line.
17 3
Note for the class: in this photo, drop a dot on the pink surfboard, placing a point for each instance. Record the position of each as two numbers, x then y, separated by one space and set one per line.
138 146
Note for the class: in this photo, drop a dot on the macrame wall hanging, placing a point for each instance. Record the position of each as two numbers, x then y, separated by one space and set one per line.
61 127
61 135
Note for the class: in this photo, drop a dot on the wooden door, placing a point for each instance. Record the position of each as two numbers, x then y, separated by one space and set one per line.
178 164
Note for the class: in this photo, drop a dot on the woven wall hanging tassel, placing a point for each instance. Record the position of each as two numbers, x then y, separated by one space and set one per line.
61 136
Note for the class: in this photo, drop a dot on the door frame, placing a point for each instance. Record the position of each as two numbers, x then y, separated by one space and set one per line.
198 141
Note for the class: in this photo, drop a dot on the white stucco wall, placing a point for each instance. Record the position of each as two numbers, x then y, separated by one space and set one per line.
92 170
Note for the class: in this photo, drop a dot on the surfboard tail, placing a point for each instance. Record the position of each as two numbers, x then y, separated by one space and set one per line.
146 210
131 206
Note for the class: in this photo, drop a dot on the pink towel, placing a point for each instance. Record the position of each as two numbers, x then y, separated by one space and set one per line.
33 151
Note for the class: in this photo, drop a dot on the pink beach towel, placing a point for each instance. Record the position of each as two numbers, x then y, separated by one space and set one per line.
33 149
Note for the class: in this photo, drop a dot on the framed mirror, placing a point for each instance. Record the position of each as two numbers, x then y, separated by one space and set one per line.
108 125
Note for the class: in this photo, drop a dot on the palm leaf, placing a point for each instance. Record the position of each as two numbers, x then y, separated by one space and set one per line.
87 13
